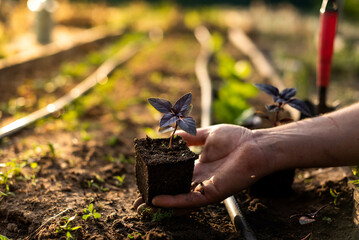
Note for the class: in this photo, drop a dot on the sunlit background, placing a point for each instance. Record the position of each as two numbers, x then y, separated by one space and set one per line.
285 31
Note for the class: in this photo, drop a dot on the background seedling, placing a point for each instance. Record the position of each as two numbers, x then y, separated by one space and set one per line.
133 235
69 236
4 238
120 179
177 114
14 169
7 193
155 214
91 184
10 170
67 227
162 214
335 195
85 136
52 150
280 100
90 212
35 169
112 141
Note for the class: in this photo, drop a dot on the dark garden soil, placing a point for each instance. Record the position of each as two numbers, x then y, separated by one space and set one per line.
84 164
163 170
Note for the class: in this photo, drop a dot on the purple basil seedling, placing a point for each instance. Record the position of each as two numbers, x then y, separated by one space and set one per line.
282 98
176 114
278 183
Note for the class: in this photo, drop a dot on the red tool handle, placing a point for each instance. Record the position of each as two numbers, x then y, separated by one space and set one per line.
328 27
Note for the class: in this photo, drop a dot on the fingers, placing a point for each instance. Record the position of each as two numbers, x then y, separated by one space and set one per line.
148 212
197 140
189 200
137 202
205 193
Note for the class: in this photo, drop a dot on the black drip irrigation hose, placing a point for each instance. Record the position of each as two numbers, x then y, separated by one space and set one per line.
204 38
99 75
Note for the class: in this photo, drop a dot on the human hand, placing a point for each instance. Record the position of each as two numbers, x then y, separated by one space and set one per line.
148 212
231 161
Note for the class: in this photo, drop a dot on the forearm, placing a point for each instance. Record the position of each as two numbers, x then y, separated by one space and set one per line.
328 140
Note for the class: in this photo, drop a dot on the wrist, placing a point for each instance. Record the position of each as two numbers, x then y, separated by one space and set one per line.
268 155
299 144
272 145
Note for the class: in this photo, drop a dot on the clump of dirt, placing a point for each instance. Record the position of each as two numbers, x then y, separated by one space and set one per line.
163 170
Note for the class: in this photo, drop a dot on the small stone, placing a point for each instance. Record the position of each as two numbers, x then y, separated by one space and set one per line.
12 227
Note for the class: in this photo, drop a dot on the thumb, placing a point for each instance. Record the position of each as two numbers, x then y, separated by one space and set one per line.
199 139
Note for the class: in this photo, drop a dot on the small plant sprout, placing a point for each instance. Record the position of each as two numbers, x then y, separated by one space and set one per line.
7 193
281 99
52 150
133 235
35 170
91 183
4 238
176 114
120 179
67 222
162 214
335 195
155 214
90 212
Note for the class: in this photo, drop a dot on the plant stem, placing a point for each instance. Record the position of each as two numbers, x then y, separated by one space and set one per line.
276 118
172 135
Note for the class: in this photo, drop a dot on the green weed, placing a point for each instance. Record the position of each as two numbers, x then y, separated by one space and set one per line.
109 158
52 150
133 235
335 195
156 215
10 170
67 227
90 212
120 179
7 193
91 184
112 141
34 166
4 238
13 169
85 136
162 214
